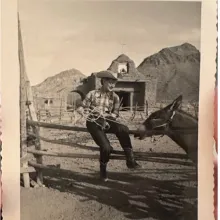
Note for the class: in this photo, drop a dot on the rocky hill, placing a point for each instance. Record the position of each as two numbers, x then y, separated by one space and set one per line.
50 86
177 70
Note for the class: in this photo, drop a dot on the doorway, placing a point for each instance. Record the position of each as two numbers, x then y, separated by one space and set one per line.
124 100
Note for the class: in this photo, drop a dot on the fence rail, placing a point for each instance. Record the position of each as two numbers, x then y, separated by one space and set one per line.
58 114
63 127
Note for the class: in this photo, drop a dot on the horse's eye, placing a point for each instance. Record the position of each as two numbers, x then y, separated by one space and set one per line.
155 117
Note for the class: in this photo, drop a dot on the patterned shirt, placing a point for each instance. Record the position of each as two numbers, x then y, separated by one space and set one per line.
102 102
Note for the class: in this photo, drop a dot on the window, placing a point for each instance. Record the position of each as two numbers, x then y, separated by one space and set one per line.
122 68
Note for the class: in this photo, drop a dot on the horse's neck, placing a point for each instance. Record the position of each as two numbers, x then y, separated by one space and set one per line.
184 121
184 131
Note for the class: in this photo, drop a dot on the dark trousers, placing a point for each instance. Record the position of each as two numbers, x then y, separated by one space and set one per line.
99 136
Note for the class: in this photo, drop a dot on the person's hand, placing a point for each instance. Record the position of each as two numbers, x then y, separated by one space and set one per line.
80 110
113 115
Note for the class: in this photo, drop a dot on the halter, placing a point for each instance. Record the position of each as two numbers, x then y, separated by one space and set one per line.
167 123
188 130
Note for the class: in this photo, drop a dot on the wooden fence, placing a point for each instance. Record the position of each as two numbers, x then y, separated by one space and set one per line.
38 166
34 132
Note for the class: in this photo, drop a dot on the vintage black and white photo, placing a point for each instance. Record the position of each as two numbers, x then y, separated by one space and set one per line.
109 94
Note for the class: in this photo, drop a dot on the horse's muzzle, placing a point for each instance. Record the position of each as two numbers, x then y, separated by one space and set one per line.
141 132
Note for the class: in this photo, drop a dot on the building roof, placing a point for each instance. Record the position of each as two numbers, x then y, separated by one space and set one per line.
132 74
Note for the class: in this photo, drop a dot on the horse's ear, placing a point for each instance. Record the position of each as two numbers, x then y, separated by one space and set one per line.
176 103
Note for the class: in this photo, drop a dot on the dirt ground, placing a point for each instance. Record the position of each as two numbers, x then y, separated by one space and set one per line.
163 189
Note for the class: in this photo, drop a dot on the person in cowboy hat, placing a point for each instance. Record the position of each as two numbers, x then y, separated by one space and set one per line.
106 102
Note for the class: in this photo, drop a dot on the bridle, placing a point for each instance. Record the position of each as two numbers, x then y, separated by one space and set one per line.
167 125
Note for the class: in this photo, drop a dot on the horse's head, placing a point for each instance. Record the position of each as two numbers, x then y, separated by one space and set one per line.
157 122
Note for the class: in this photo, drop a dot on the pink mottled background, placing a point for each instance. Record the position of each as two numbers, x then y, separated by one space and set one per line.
0 170
216 152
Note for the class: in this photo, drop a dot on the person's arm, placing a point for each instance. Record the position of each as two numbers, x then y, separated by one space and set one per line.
116 105
85 103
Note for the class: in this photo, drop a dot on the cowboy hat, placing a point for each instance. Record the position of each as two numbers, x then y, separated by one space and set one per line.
107 74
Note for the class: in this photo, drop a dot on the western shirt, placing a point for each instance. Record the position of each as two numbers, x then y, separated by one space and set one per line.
102 102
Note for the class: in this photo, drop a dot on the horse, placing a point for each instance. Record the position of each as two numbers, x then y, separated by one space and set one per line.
178 125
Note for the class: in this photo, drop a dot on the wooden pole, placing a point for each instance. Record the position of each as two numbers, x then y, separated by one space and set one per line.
27 105
116 152
36 130
23 108
64 127
117 155
159 160
41 166
146 108
60 99
131 101
72 155
134 112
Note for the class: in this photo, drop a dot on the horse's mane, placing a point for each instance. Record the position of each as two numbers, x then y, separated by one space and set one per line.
187 115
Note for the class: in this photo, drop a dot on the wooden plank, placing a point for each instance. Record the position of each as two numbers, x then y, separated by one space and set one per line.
117 155
24 159
118 152
27 98
23 99
64 127
41 166
27 170
33 116
112 157
189 130
71 155
39 158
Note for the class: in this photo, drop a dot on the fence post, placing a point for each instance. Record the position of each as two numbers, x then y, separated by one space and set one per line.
146 108
36 130
23 147
61 104
23 108
39 158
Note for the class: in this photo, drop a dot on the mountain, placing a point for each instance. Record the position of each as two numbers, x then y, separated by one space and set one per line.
63 80
177 70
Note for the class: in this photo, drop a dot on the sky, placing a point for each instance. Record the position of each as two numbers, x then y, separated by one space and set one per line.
64 34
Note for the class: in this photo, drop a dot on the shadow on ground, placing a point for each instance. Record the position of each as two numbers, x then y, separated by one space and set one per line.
133 193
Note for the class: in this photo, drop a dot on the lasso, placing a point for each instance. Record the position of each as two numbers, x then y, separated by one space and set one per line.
92 115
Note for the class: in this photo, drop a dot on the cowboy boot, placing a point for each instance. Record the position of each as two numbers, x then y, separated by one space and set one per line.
103 172
130 161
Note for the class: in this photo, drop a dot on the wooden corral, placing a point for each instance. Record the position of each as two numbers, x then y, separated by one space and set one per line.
55 115
65 99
